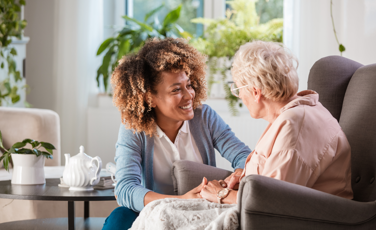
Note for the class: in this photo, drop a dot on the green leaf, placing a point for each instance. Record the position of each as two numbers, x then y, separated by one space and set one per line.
6 161
151 13
107 60
17 76
1 141
7 86
123 49
27 104
47 145
24 151
204 21
98 76
19 145
341 48
47 155
104 69
22 2
143 25
11 150
104 45
16 8
23 24
49 150
13 51
37 152
27 141
15 99
172 16
35 143
186 34
2 65
125 31
13 94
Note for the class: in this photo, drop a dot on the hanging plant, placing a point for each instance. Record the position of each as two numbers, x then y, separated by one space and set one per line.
341 47
11 26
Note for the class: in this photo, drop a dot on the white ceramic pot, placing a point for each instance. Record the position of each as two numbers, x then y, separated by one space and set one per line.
28 169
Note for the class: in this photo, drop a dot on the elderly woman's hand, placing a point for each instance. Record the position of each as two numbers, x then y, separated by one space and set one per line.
232 181
210 191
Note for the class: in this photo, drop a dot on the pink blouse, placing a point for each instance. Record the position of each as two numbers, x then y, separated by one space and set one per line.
305 145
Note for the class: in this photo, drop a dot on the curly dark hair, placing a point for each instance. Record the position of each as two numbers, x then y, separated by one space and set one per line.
136 76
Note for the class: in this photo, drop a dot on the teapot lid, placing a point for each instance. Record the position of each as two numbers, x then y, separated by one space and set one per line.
82 153
82 149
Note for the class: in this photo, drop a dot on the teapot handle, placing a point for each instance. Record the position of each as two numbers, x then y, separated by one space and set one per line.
96 178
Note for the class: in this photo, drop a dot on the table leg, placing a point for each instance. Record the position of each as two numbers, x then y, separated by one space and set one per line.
86 209
71 215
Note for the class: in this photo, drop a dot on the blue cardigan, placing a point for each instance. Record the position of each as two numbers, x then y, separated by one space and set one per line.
134 155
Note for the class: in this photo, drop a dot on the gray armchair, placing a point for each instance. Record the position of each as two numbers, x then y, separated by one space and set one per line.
346 89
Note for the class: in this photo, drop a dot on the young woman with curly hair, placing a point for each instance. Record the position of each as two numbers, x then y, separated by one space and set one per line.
159 93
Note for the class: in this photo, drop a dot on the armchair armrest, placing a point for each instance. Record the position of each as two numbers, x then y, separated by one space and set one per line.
267 203
187 175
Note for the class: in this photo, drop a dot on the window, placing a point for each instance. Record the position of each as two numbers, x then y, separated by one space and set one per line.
267 9
190 9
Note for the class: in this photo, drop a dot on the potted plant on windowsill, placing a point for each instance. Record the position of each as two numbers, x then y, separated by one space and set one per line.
241 25
28 163
132 38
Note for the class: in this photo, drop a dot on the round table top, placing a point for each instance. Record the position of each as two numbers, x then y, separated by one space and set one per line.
51 191
92 223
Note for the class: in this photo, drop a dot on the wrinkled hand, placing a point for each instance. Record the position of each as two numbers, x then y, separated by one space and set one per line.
210 191
232 181
195 193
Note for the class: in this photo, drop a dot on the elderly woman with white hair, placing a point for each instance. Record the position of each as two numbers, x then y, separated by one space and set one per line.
303 143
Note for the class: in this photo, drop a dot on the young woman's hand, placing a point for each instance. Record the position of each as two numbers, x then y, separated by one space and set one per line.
232 181
195 193
210 191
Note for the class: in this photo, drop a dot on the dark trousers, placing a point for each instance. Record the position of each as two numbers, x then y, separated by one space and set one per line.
121 218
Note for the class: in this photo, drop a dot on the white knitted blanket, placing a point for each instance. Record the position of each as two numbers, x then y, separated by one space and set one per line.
190 214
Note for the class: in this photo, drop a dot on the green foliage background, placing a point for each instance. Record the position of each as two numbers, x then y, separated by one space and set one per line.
10 26
133 37
223 37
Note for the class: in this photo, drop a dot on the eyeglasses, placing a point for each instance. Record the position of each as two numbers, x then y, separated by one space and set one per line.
235 91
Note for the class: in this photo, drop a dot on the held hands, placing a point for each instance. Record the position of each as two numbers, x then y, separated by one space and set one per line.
232 181
210 191
195 193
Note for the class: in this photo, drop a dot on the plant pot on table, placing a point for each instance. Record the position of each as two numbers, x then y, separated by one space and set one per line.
28 169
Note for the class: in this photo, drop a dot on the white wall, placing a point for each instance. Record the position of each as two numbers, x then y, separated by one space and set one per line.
61 61
39 61
308 31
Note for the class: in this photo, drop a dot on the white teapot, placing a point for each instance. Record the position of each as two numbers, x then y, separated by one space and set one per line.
80 172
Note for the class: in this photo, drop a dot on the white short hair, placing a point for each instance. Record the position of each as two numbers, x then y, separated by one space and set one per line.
267 66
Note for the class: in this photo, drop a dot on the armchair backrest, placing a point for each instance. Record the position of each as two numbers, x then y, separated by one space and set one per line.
346 89
17 124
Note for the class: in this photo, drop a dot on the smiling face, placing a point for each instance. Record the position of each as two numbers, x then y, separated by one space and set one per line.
174 99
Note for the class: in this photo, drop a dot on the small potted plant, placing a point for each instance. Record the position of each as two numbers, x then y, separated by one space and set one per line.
28 163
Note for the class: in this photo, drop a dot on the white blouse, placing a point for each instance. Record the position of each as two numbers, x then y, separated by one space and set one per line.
166 153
